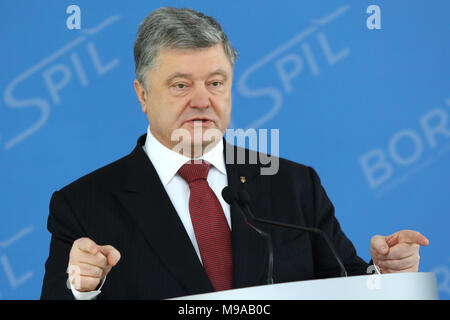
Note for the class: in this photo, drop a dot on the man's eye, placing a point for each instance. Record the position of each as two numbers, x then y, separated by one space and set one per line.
216 83
180 86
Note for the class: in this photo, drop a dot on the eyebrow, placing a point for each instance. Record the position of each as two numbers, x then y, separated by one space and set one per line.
189 75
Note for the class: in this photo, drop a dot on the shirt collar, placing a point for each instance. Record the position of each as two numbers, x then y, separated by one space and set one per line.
167 162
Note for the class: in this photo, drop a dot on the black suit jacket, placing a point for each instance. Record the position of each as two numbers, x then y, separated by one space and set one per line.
124 204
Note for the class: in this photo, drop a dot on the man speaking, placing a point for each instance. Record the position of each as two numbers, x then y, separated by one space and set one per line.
154 224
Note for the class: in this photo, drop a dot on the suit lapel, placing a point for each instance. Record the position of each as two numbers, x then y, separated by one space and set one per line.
250 253
147 202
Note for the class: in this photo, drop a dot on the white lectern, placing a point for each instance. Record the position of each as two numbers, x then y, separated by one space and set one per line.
396 286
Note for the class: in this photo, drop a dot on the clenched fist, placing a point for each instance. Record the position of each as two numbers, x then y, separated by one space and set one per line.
89 263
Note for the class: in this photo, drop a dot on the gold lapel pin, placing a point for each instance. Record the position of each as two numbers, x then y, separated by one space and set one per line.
242 179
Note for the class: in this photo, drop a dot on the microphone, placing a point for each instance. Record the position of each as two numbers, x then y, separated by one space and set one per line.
244 200
231 197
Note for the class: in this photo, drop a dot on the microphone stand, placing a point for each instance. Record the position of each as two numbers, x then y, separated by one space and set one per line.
244 200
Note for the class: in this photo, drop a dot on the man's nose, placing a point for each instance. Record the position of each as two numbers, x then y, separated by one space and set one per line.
200 98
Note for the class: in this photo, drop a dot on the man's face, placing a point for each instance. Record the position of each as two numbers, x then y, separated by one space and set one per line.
187 89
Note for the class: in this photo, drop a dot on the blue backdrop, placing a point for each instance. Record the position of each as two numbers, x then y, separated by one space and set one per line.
367 108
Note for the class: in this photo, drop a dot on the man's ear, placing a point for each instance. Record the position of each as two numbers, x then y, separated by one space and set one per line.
141 94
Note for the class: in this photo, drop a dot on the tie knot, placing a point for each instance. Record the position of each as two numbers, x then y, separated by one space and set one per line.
194 170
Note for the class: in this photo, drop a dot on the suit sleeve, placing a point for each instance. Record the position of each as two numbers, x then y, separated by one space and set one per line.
324 264
64 229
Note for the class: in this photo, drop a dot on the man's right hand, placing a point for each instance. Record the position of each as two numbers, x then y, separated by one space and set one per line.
89 263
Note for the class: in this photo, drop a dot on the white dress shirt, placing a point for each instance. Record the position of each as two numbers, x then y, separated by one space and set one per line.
167 163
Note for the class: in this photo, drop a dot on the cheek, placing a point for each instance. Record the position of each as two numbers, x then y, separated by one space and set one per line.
169 106
178 107
224 107
173 112
158 117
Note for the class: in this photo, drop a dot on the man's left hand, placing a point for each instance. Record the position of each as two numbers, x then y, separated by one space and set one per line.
398 252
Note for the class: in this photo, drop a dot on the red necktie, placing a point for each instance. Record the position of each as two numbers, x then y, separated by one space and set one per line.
210 225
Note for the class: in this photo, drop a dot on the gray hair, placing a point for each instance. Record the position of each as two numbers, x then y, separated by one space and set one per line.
169 27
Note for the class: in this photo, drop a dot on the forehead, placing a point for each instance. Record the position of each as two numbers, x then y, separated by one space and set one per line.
171 60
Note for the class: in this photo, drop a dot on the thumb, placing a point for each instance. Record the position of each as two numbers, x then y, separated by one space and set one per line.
111 253
378 243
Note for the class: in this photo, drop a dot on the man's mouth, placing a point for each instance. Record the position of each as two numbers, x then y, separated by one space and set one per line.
199 122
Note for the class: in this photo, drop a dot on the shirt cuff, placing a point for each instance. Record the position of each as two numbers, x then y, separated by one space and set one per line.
90 295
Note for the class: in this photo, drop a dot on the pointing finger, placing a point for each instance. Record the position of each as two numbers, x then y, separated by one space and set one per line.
411 236
392 240
112 254
87 245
